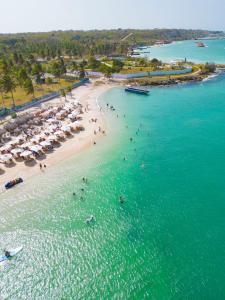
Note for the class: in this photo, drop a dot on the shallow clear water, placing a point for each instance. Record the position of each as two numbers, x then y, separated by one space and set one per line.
213 52
167 241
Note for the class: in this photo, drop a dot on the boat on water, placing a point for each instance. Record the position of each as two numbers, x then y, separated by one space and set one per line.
10 253
12 183
201 45
137 90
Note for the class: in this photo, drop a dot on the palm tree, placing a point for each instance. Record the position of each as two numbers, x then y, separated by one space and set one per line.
9 86
69 90
21 76
82 73
2 91
62 93
28 86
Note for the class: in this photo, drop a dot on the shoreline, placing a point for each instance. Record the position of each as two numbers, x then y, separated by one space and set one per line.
88 96
146 81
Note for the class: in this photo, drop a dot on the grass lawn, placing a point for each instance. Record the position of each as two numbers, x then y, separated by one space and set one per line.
21 97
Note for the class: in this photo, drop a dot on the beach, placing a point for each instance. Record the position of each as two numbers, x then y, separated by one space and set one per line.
87 96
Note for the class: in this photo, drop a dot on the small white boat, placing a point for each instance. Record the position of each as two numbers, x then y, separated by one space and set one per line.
12 252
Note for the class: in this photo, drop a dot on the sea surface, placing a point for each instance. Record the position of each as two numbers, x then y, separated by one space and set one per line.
213 52
166 241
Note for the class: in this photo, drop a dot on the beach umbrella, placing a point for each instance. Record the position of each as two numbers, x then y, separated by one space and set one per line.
20 139
10 126
51 120
35 148
45 114
38 138
16 130
52 138
16 151
65 128
20 120
26 145
26 153
75 124
71 116
59 133
54 109
2 130
35 139
45 143
6 148
13 142
25 126
52 128
37 121
6 158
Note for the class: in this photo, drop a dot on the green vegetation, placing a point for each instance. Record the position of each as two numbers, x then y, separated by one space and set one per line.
21 97
88 43
208 68
33 64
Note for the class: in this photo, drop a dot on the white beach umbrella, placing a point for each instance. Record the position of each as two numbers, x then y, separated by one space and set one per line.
45 143
51 138
13 142
52 128
16 151
65 128
35 148
19 139
75 124
45 114
71 116
26 153
41 136
26 145
6 147
6 157
59 133
35 139
52 121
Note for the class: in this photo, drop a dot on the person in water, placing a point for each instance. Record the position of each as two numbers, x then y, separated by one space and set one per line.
121 199
7 254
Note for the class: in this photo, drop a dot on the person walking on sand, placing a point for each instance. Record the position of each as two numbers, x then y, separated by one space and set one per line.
40 165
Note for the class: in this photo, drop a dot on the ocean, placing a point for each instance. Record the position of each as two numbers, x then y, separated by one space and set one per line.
164 155
213 52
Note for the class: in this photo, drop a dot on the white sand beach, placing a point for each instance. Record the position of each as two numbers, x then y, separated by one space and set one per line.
87 96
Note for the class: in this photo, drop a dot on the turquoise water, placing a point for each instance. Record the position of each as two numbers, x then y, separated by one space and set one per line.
213 52
167 241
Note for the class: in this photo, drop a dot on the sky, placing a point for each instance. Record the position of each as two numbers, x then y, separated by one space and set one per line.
46 15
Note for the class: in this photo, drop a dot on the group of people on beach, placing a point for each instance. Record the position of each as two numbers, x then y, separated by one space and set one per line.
42 166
